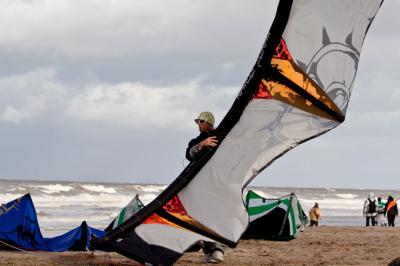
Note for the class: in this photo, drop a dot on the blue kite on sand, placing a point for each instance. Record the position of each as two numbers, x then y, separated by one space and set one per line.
19 228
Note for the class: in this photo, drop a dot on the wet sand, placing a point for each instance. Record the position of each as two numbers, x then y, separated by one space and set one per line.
324 245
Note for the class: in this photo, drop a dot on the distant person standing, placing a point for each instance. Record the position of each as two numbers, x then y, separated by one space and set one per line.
315 215
391 210
380 209
369 210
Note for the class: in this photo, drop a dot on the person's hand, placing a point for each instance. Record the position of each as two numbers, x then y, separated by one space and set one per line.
208 142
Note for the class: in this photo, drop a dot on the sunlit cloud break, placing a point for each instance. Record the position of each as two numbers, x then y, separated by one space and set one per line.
32 106
139 105
28 95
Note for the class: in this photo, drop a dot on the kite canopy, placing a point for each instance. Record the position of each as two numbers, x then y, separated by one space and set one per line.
277 219
298 89
126 212
19 227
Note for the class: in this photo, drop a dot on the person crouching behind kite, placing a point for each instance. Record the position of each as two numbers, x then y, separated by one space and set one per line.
213 251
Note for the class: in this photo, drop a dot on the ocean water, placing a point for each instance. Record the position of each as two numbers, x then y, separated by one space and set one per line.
61 206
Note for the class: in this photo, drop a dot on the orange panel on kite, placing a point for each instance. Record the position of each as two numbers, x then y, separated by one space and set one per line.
283 62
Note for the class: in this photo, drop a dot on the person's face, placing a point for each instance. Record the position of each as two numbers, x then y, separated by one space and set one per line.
204 126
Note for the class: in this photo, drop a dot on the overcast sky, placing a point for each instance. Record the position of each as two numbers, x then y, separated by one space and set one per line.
103 90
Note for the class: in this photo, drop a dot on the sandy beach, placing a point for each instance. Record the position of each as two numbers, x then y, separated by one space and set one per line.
324 245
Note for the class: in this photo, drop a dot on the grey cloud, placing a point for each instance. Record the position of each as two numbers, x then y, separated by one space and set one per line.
131 41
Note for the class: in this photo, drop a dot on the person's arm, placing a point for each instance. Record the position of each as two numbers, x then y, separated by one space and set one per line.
189 152
208 142
365 208
194 148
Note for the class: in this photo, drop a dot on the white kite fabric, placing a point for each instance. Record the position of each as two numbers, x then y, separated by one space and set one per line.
268 127
298 90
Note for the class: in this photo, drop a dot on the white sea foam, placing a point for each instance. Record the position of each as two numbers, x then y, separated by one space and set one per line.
261 193
19 189
54 220
7 197
147 198
334 204
52 189
102 200
99 188
346 195
150 188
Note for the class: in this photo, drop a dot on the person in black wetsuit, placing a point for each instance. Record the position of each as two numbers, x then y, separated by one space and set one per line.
205 121
213 251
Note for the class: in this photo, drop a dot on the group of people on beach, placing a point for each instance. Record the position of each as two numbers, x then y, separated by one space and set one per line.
378 212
